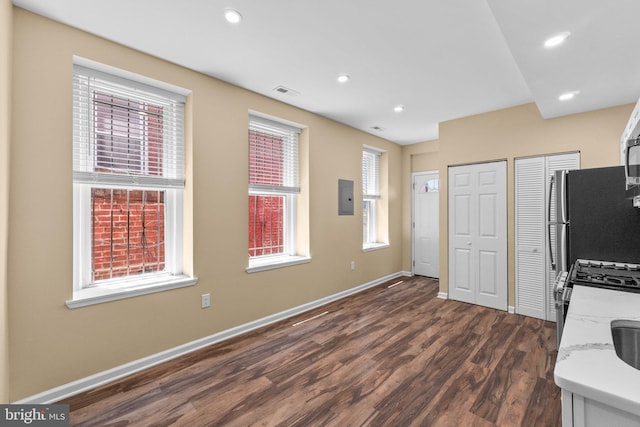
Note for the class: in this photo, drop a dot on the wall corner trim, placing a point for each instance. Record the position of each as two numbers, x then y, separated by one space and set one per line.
67 390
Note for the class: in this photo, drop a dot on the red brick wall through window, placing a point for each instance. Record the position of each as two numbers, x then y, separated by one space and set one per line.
266 222
128 232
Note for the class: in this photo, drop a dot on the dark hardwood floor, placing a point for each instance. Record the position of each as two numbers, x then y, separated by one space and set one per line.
385 357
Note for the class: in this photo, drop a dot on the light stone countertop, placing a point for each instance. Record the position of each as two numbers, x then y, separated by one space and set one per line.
587 363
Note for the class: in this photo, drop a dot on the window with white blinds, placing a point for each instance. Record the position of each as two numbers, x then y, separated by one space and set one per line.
370 195
126 132
273 151
128 176
273 186
370 174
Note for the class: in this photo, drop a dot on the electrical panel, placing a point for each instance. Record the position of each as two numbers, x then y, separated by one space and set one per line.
345 197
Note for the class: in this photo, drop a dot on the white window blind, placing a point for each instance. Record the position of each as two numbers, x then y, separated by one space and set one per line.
370 195
370 174
126 132
273 161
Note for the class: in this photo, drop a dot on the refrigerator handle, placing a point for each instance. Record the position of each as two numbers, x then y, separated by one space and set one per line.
549 225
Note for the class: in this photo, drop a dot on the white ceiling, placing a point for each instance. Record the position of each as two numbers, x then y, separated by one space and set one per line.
441 59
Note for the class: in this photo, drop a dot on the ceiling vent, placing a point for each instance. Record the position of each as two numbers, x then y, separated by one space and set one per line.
286 91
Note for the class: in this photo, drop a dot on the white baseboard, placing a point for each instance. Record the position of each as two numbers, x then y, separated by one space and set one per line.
511 309
104 377
443 295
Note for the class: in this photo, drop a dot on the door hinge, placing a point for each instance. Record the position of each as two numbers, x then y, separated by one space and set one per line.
414 262
414 185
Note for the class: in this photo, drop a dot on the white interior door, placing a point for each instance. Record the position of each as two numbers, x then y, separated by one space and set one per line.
478 234
425 224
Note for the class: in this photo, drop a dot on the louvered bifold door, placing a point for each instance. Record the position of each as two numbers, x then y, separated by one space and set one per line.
567 161
530 237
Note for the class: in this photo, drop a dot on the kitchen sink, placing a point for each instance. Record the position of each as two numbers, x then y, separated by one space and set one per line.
626 340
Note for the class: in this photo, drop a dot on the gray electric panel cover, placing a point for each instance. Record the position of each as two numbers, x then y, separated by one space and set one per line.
345 197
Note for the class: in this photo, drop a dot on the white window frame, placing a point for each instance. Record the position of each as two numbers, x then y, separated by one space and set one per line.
370 197
289 256
86 292
369 205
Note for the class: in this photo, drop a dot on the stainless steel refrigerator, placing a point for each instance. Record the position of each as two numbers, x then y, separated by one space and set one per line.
594 218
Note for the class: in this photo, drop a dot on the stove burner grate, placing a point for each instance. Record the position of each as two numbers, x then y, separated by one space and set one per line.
619 276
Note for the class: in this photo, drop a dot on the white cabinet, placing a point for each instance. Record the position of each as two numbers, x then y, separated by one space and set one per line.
598 389
578 411
534 276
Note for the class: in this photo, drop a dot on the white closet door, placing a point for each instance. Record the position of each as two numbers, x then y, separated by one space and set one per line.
567 161
534 275
478 234
530 238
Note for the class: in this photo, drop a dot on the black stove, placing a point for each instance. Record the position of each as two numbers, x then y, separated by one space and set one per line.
605 274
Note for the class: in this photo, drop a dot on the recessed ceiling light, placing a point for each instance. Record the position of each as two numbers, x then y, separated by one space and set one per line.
556 40
343 78
569 95
232 16
398 108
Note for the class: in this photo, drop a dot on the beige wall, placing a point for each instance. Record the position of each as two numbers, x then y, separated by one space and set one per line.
6 19
506 135
52 345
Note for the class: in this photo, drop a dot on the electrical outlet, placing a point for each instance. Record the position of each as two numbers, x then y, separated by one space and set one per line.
205 300
353 265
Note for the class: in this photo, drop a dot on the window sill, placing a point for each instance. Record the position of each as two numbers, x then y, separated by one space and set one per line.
374 247
270 263
106 293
